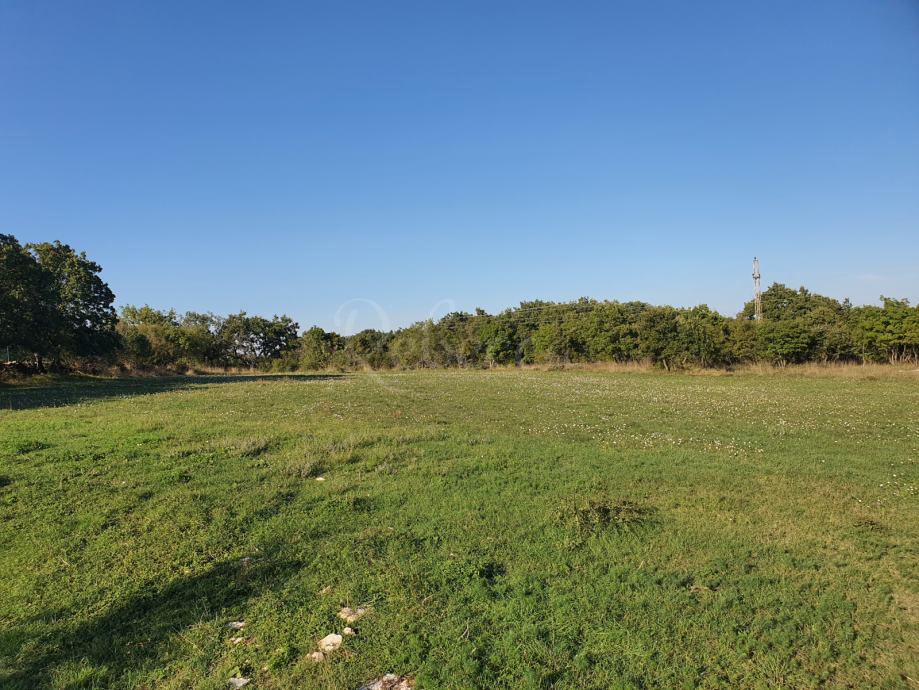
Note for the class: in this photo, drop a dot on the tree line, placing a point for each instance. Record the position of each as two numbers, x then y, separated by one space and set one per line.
57 312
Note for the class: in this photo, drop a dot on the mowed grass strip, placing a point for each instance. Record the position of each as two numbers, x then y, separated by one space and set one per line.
505 529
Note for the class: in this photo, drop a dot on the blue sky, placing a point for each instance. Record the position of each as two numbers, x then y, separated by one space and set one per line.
292 156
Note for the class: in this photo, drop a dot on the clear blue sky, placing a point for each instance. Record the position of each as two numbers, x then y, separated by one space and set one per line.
291 156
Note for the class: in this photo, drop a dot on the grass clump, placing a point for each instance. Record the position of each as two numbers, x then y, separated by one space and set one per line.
252 446
593 514
306 467
26 447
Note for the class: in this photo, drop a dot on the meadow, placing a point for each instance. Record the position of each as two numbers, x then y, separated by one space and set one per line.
500 529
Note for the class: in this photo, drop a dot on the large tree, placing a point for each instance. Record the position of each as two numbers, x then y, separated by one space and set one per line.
28 315
83 301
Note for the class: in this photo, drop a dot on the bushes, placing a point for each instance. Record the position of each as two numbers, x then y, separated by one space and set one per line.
803 327
151 338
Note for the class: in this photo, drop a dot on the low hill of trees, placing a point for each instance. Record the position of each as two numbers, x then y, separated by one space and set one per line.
798 327
55 311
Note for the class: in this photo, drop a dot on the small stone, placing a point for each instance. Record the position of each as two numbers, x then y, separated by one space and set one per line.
316 657
320 479
389 682
349 615
237 682
236 625
348 631
237 640
330 643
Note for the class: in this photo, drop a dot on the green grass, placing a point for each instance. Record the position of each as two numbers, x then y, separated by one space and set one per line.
509 529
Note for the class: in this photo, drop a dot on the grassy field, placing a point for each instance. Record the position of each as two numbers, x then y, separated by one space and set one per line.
506 529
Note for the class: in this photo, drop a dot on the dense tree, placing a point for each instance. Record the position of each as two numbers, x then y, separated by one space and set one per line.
29 320
501 342
53 304
658 336
368 348
150 337
703 337
200 340
254 339
781 303
785 342
86 317
410 347
888 333
317 348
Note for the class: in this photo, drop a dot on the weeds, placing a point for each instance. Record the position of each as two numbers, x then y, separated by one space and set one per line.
253 446
26 447
594 514
306 467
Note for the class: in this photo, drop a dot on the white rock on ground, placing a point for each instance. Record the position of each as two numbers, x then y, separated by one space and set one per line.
350 615
330 643
237 640
348 631
238 682
389 682
316 657
236 625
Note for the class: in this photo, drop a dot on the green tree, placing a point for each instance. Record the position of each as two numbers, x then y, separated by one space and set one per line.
703 336
658 333
550 343
150 337
786 342
83 301
369 348
500 340
253 340
317 348
888 333
29 321
199 339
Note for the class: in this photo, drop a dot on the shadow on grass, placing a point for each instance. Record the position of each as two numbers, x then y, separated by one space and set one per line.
135 635
74 391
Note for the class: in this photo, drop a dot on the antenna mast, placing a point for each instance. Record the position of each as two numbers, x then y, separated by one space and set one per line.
757 294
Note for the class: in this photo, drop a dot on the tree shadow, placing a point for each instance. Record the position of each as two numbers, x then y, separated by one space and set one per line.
75 391
134 634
